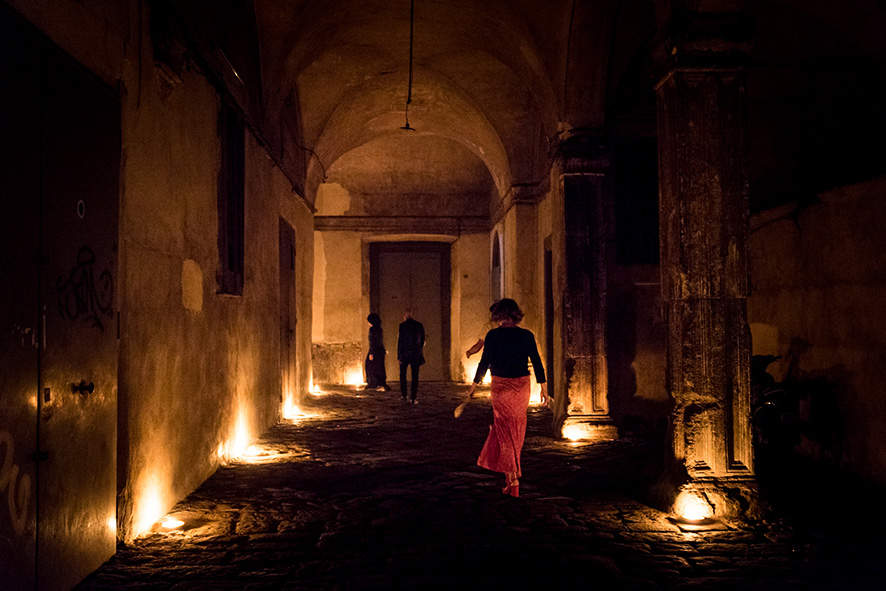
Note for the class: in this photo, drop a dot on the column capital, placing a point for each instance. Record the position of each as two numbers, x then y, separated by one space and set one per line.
583 152
520 194
702 41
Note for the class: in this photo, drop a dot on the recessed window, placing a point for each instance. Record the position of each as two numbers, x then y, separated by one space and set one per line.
231 202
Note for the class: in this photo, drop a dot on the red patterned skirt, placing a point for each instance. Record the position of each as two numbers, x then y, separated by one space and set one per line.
510 399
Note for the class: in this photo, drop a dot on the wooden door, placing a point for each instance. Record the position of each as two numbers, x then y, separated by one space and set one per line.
413 276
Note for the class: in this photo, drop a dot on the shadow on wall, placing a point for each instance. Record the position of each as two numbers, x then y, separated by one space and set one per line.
800 415
636 342
799 433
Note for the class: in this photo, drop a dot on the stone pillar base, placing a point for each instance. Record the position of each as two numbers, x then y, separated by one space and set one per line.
709 498
589 428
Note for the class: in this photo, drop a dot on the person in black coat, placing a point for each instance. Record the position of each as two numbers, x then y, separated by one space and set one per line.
376 377
410 352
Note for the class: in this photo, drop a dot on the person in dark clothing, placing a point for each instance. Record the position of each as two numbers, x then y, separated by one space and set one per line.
410 352
376 377
507 352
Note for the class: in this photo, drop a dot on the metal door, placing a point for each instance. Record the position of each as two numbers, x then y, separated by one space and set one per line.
61 250
80 161
19 308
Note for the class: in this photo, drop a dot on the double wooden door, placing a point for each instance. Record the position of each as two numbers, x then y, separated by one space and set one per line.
415 276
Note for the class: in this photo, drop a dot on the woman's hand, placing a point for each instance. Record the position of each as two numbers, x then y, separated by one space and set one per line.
371 357
471 390
545 399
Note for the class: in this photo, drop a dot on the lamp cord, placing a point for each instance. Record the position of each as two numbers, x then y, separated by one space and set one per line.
411 39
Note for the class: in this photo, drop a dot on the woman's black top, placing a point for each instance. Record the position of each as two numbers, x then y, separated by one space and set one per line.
507 351
376 341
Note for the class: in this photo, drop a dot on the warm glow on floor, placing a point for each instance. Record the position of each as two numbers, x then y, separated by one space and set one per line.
691 507
170 523
574 432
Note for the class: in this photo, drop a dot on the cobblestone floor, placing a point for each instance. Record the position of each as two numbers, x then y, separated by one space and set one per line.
368 493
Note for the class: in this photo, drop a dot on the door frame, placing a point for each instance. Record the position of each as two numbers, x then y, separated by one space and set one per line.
376 249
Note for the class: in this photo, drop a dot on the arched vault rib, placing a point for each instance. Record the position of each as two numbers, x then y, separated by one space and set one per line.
377 108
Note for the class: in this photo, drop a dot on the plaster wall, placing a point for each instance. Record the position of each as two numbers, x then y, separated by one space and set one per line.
636 347
523 262
298 214
818 287
521 249
471 298
199 371
339 309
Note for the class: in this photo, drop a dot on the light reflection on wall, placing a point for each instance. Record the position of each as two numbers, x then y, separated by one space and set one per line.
290 409
470 366
692 507
575 432
233 447
149 506
354 376
535 394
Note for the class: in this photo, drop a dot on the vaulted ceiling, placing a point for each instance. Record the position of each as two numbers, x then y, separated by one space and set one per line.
487 92
495 81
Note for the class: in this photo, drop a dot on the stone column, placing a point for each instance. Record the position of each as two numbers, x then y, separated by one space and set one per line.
701 100
585 164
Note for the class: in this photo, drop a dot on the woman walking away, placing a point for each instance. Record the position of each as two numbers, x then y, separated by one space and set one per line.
376 377
506 353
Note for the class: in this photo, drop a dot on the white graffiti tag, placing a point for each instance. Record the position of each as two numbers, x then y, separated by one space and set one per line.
19 493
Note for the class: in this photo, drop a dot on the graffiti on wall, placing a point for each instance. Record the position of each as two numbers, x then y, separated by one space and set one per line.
18 487
82 296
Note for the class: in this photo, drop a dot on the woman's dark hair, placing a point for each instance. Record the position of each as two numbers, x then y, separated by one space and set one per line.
374 319
507 309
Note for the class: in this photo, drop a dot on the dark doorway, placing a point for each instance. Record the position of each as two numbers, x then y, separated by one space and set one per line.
549 315
287 311
413 275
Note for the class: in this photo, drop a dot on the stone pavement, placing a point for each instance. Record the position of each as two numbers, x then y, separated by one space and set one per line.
368 493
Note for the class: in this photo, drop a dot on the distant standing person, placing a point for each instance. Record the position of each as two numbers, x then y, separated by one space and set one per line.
507 351
410 352
376 376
